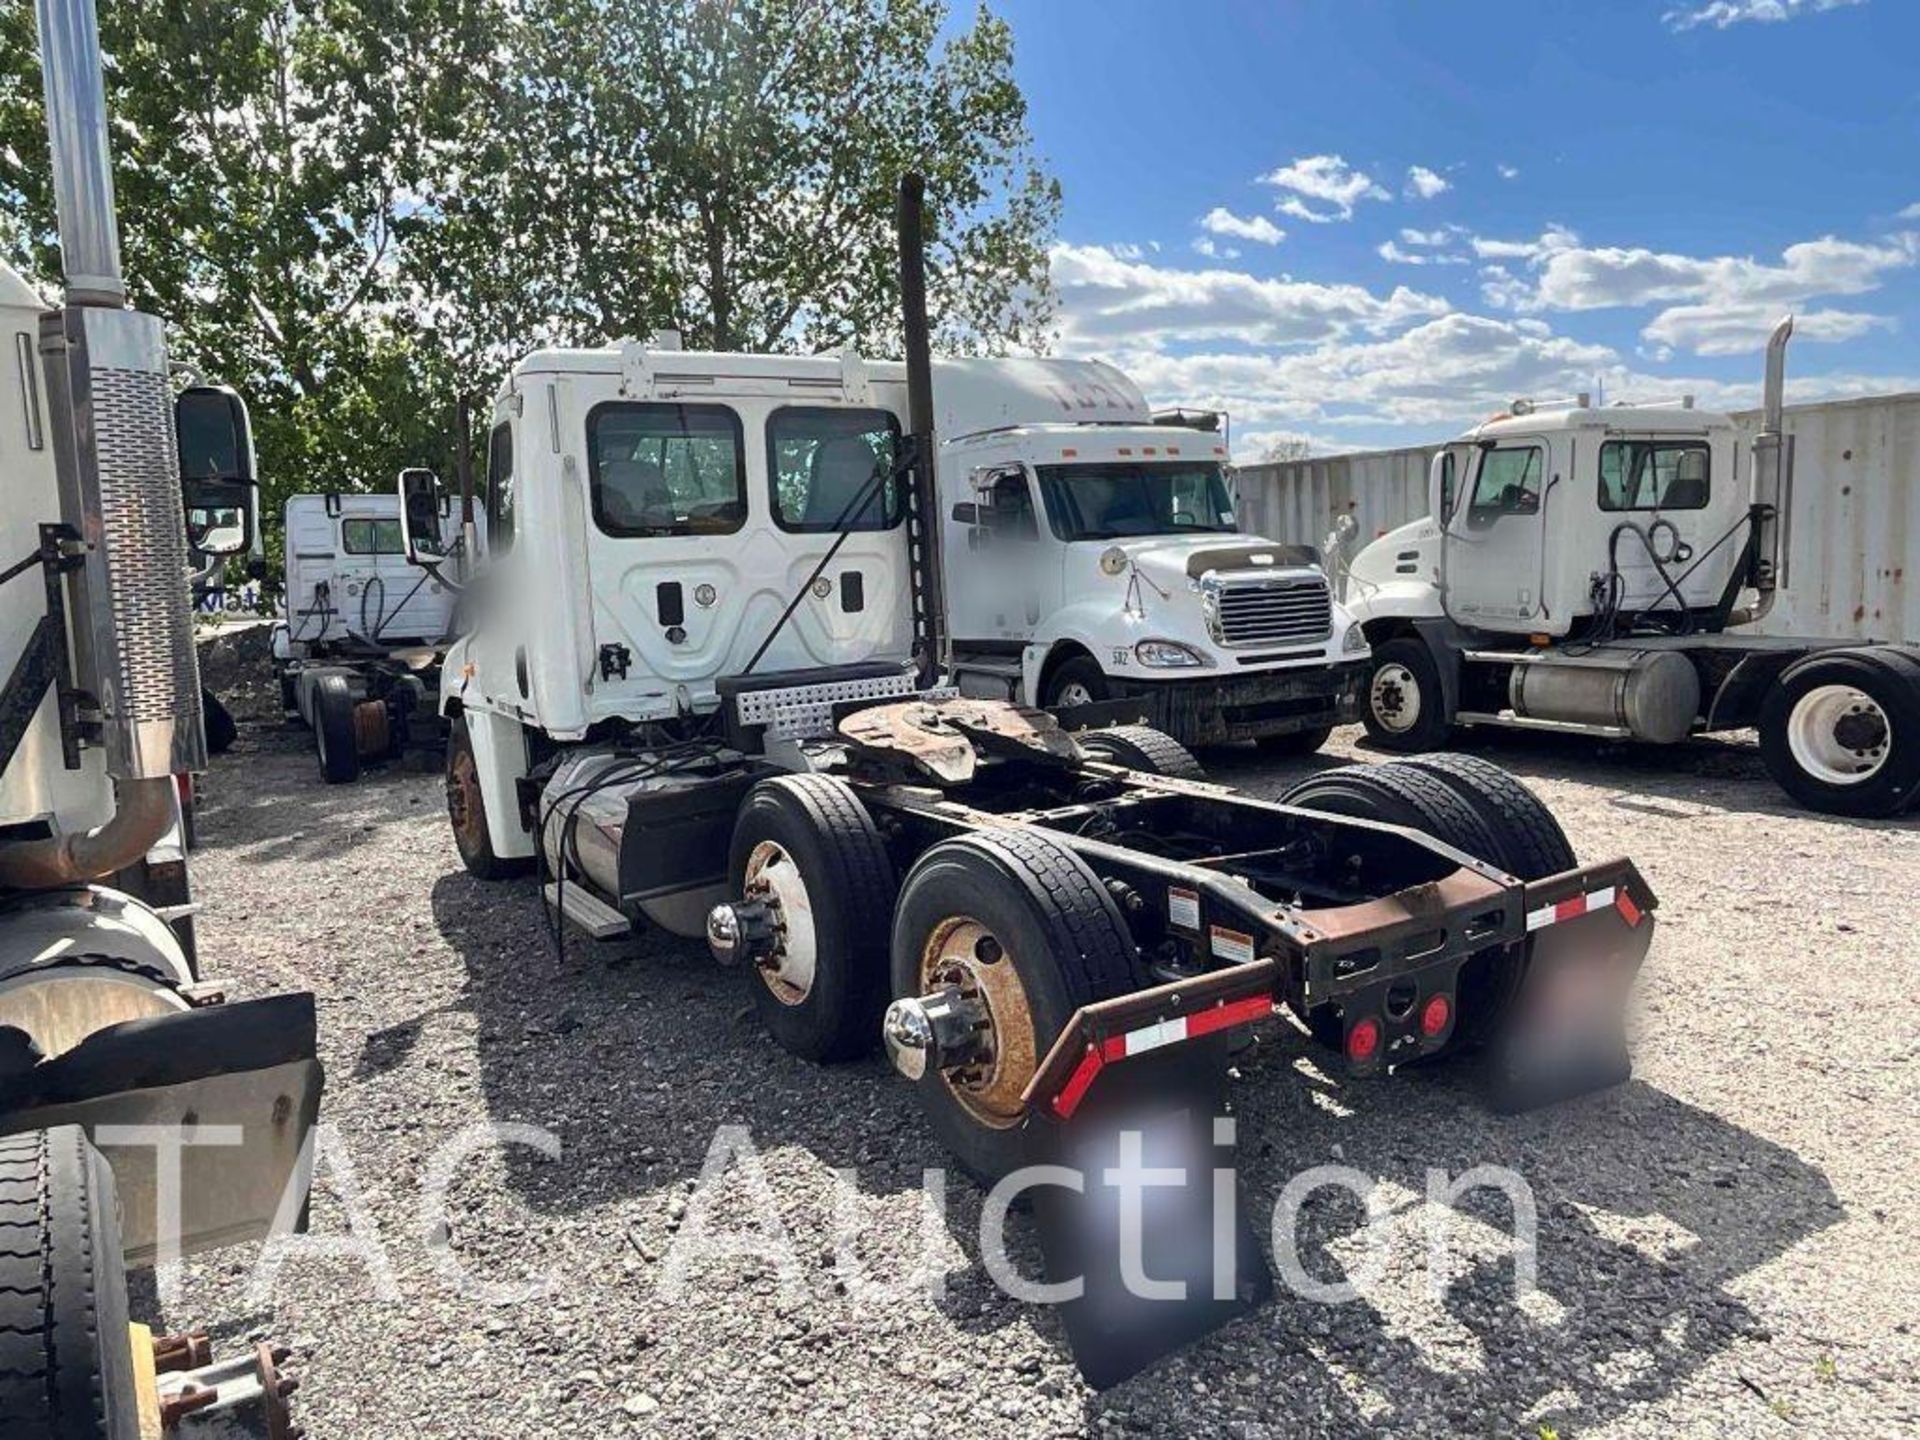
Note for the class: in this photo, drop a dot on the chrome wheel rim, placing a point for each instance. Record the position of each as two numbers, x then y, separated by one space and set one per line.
1839 735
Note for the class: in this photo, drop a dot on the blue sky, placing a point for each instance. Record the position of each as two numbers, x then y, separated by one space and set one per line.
1370 222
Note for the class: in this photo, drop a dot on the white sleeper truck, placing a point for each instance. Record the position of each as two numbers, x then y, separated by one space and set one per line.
142 1114
1589 571
707 685
358 654
1092 557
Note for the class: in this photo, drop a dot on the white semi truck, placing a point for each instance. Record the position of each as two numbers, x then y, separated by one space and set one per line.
1589 571
1092 557
707 683
358 655
112 1042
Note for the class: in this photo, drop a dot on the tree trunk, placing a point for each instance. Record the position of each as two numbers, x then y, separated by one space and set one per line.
719 293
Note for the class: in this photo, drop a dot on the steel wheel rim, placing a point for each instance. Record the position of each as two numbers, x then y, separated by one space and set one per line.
1073 693
1839 735
789 971
1394 697
956 957
464 806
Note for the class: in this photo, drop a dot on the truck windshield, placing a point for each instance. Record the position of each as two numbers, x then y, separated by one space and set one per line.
1107 500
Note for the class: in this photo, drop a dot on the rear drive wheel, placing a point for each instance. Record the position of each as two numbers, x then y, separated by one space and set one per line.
220 727
66 1358
1297 742
1141 747
806 845
467 812
1075 682
1018 921
1406 709
289 695
1840 732
334 738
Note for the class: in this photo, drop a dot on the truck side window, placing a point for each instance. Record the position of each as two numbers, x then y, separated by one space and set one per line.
1653 475
1011 516
500 489
1509 484
664 469
821 461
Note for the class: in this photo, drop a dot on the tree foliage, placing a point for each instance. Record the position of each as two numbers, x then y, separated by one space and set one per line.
357 210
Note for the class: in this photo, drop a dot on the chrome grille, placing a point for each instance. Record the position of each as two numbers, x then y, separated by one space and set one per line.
1278 610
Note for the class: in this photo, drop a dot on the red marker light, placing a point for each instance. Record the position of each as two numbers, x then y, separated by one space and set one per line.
1363 1041
1434 1016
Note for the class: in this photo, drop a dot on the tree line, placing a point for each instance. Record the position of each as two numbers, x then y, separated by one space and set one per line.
357 211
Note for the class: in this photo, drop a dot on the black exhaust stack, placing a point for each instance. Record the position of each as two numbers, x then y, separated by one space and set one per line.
923 509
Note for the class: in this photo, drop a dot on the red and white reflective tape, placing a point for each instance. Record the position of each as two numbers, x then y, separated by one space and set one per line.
1574 906
1154 1037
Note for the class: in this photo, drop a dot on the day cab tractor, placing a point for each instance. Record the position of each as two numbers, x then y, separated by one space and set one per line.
1027 916
358 655
114 1047
1596 571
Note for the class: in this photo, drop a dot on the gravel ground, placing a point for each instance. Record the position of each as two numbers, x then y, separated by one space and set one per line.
1728 1242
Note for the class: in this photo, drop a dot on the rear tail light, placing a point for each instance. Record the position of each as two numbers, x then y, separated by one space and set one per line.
1363 1041
1435 1015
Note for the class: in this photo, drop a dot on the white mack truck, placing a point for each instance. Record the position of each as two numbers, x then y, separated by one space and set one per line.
113 1046
1588 571
706 684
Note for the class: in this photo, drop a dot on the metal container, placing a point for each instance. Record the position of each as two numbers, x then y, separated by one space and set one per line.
1654 694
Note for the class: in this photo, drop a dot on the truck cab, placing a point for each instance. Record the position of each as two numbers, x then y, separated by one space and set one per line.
1092 556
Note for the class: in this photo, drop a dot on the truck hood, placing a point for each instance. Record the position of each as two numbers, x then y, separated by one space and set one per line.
1186 557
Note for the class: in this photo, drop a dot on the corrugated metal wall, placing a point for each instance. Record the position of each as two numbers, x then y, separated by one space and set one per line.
1856 511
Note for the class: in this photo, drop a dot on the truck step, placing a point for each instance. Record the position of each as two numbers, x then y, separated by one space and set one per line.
1001 667
587 910
1557 727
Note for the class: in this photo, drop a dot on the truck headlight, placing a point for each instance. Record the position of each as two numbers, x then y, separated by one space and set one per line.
1355 642
1170 655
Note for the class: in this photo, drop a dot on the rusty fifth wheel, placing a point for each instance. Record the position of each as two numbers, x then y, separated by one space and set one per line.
816 892
999 937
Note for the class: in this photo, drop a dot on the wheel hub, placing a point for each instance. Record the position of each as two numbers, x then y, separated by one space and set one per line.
1395 697
787 961
989 1073
1839 735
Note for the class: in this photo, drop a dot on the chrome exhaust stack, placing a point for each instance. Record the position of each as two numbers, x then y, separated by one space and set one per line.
1772 497
114 443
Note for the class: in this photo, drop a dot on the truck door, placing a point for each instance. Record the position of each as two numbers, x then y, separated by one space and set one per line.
1494 547
1000 582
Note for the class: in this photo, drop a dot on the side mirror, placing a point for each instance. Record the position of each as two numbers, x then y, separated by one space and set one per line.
421 506
217 483
1442 485
966 512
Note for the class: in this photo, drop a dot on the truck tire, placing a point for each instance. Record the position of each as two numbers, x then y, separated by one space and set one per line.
1840 732
221 731
1407 793
1141 747
1078 680
66 1358
1406 707
810 842
1528 840
1058 943
289 695
467 813
1295 742
334 738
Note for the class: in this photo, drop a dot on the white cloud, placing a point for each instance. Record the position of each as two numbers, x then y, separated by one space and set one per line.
1424 184
1508 172
1554 237
1722 14
1204 246
1107 300
1743 329
1912 212
1222 221
1391 252
1327 179
1442 235
1574 277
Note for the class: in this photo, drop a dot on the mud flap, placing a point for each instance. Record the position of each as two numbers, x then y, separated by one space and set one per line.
236 1087
1588 932
1152 1228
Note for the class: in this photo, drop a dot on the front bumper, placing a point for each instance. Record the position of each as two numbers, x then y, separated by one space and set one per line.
1216 709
